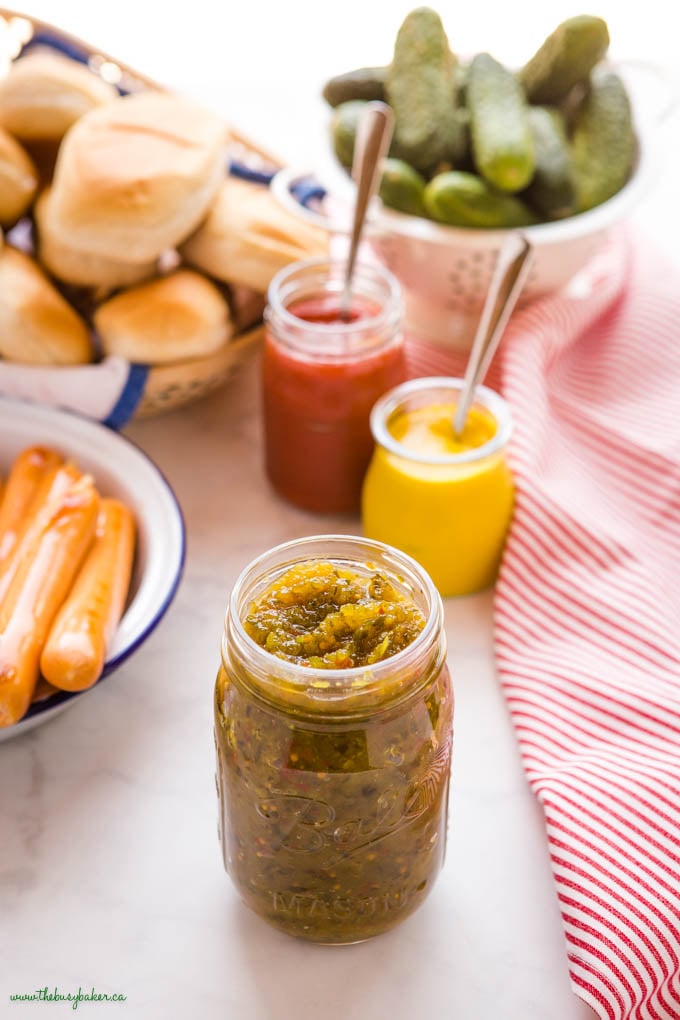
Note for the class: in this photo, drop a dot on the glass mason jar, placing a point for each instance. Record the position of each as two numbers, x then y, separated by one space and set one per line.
333 783
321 377
449 512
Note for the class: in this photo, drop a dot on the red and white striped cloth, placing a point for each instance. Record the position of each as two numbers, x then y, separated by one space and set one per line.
587 614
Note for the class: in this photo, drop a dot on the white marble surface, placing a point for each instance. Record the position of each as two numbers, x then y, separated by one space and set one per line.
110 873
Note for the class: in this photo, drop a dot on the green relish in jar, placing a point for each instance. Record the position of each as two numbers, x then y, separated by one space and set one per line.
333 725
330 617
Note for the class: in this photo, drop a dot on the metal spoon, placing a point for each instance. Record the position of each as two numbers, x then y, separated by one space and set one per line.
374 134
509 277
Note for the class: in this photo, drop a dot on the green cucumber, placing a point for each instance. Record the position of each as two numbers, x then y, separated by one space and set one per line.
566 57
465 200
402 187
365 83
502 143
344 126
603 141
552 190
421 88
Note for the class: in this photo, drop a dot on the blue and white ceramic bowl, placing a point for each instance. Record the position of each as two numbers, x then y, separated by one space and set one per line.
121 470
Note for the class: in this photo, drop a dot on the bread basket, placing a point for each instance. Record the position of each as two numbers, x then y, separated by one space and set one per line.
446 271
146 389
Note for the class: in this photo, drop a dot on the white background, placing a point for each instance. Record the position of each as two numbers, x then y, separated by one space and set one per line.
109 867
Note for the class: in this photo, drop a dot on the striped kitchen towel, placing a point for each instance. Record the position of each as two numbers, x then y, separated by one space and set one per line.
587 613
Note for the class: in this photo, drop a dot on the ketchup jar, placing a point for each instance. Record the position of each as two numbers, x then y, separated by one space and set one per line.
321 377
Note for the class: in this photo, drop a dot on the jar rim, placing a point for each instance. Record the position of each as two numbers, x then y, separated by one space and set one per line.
337 683
389 314
391 402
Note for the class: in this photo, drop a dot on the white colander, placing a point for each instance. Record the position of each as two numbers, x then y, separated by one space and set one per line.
446 271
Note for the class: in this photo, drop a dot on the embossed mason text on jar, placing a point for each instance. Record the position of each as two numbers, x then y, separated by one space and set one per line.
333 738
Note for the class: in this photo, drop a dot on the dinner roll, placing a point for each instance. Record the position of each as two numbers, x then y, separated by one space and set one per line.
37 326
172 318
18 180
248 236
43 94
137 176
78 267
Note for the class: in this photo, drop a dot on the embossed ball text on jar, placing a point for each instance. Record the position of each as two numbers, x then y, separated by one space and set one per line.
333 783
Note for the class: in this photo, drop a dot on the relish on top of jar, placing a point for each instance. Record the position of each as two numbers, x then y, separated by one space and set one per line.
325 616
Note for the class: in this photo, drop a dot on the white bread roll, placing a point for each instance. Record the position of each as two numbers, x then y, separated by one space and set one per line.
77 267
137 176
18 180
247 237
43 94
37 326
171 319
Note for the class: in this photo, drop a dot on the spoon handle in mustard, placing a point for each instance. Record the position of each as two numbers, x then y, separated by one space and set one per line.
510 274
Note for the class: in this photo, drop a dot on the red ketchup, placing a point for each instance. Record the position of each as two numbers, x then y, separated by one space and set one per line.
322 376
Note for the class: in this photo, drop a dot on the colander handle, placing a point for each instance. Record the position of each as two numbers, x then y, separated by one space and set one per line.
288 184
667 85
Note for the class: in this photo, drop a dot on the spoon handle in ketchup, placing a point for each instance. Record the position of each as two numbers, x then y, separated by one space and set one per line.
374 135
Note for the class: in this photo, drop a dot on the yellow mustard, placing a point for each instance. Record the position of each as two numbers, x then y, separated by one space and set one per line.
444 499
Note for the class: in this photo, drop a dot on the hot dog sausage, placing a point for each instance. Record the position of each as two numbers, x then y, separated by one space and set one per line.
74 655
27 471
55 481
49 559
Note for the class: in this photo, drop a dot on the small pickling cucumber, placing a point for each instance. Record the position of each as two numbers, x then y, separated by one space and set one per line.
551 192
502 144
603 141
466 200
421 88
365 83
566 57
344 126
402 187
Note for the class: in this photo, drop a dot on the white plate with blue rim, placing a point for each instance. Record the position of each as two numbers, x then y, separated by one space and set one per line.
121 470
